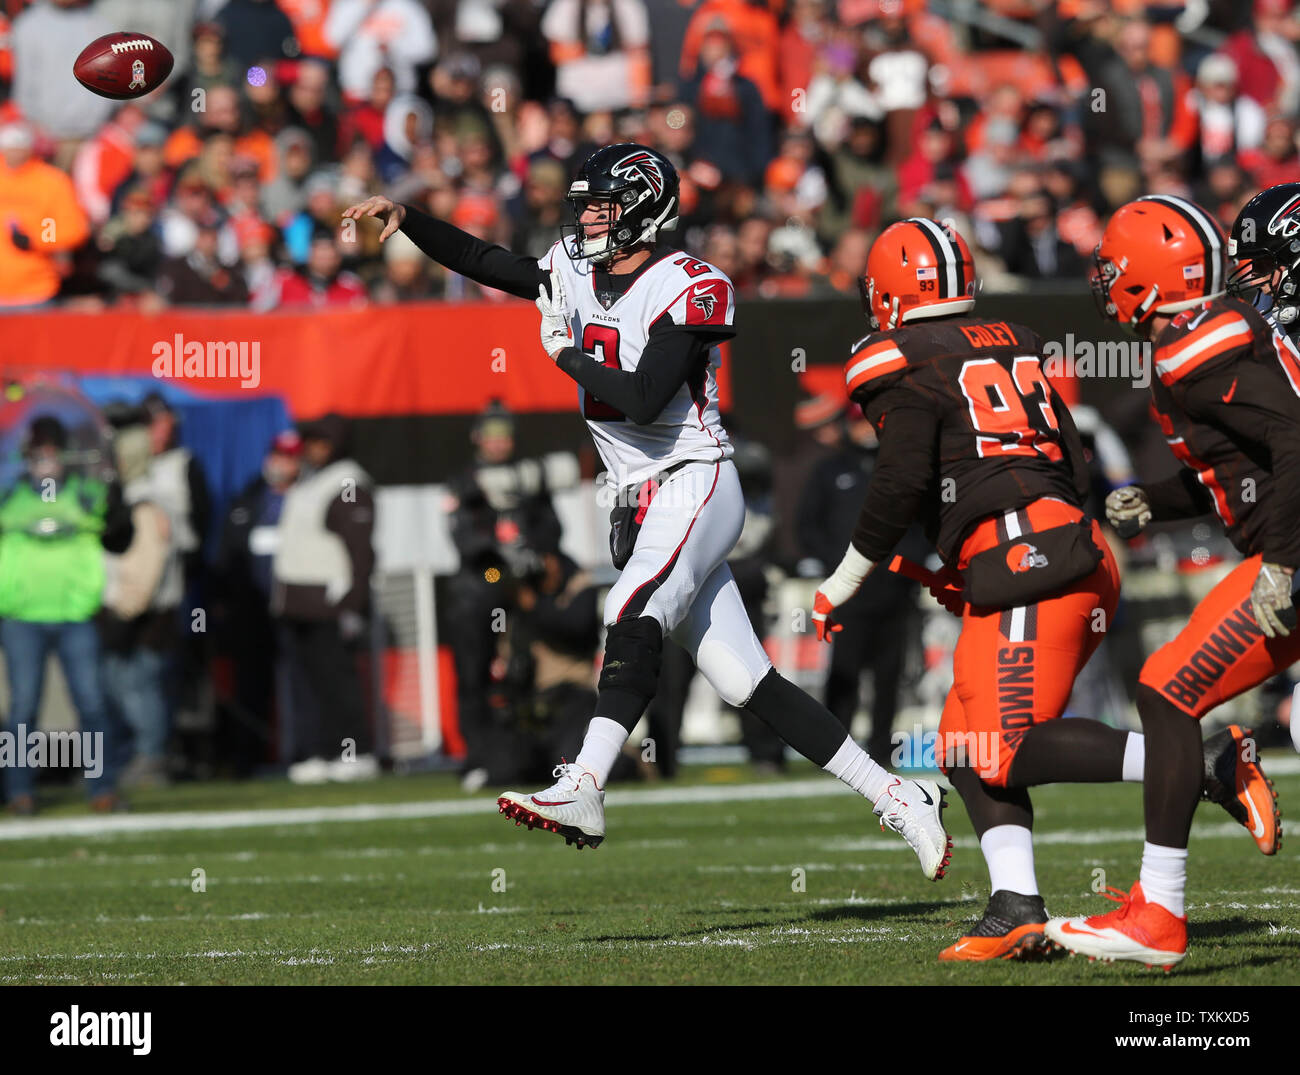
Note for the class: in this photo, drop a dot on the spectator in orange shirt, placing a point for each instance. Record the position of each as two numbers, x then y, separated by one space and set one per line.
801 40
39 219
308 18
105 160
221 112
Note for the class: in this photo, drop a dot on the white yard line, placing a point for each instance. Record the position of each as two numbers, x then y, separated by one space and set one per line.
43 828
182 821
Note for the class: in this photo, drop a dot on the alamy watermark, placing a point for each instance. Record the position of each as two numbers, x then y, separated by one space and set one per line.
918 749
23 749
1128 360
182 359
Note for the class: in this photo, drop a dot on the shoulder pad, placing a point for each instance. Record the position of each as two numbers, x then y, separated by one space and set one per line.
872 360
697 294
1204 334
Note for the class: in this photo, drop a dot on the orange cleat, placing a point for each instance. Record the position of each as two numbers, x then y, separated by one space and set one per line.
1235 780
1135 930
1012 928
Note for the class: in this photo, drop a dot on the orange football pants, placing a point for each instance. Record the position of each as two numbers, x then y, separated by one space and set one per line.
1221 652
1014 668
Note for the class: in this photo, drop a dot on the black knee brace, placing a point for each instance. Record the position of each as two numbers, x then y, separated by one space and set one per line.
630 674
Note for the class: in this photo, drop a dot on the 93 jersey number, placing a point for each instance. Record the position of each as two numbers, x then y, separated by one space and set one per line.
1010 410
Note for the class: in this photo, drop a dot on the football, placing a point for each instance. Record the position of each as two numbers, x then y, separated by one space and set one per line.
123 65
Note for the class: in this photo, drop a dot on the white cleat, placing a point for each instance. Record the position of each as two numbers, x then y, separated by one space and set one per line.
350 770
311 771
573 807
914 810
1136 930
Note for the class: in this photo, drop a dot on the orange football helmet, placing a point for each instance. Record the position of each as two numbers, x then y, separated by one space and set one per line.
1158 255
917 268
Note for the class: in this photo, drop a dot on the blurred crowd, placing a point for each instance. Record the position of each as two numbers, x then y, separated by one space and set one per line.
799 127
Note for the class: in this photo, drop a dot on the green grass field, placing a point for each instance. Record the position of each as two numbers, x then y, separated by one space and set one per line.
681 892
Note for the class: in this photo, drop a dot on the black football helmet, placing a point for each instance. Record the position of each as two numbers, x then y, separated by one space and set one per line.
1265 240
641 188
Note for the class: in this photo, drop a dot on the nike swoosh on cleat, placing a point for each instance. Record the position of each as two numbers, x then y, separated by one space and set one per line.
959 947
1258 830
1067 928
925 795
1227 396
542 802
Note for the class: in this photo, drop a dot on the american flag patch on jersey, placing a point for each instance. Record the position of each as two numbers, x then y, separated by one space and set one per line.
927 272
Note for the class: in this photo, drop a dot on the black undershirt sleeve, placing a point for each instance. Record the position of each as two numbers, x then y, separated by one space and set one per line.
1072 446
668 361
1179 496
1262 414
904 468
485 263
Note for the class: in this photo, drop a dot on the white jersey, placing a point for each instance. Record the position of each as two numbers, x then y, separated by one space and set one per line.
689 292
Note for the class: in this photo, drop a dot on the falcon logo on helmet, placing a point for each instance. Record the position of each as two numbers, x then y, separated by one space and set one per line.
632 190
1285 221
917 269
1268 257
1158 255
641 166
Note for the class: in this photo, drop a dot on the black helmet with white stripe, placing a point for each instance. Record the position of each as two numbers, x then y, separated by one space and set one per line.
634 191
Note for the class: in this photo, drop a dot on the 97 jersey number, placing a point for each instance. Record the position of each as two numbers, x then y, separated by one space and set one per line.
1011 410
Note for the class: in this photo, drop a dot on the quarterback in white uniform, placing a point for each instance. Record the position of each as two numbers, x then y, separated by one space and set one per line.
636 325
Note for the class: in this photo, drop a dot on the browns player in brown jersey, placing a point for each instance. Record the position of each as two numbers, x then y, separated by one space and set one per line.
976 445
1227 397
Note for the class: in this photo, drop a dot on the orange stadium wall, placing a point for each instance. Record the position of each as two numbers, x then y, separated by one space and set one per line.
413 375
428 358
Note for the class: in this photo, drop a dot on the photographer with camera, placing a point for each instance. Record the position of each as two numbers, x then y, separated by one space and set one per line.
493 504
544 672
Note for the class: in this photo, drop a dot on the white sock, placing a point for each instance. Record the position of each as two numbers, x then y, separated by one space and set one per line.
855 767
1164 876
1135 757
604 739
1009 852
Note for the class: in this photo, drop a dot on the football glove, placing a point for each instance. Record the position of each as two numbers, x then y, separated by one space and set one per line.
948 588
842 584
1127 511
556 335
1270 598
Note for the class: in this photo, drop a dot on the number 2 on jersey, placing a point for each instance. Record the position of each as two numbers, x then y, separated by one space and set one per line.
606 338
1001 403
